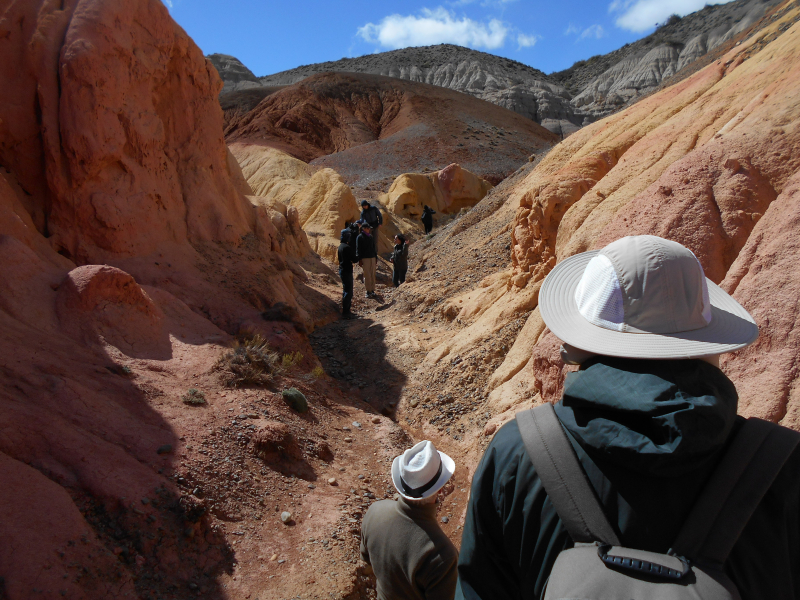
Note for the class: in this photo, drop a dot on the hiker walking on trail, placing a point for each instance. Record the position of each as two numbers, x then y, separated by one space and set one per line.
427 218
347 257
399 260
372 215
367 257
644 454
412 557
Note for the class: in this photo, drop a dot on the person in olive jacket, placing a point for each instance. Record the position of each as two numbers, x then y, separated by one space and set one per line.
367 257
649 414
412 557
399 260
347 257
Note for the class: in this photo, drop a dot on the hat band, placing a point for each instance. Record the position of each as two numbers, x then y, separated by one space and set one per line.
417 492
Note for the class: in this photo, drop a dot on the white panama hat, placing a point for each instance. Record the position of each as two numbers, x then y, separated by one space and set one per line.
421 471
642 297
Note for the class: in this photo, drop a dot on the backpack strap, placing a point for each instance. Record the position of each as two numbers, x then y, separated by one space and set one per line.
563 477
735 489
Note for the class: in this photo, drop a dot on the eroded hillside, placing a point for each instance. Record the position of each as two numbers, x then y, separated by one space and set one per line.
371 128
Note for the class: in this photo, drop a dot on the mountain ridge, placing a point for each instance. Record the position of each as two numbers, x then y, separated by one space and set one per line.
562 101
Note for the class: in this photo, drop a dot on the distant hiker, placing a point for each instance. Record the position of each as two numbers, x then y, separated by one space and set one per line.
399 260
644 455
427 218
347 257
367 256
412 557
372 215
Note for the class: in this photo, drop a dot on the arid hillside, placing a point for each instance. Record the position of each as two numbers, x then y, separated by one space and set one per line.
713 162
371 128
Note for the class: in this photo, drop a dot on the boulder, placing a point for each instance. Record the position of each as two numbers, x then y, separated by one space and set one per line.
99 301
446 191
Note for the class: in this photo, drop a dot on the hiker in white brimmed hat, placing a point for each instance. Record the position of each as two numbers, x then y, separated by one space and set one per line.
411 556
646 419
642 297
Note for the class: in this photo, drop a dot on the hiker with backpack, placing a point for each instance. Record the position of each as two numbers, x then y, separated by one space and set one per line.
642 482
412 557
399 260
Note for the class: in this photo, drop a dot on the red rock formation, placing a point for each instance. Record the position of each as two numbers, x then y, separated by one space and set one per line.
376 127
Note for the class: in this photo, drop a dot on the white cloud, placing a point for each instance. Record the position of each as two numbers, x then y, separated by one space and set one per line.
434 26
526 41
168 3
593 31
641 15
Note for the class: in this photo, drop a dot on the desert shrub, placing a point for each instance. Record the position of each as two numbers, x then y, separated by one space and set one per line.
317 372
194 397
290 360
249 362
295 399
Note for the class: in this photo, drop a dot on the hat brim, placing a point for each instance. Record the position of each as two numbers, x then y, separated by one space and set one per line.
731 327
448 467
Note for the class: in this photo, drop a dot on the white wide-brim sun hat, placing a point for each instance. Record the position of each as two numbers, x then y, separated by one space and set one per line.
642 297
421 471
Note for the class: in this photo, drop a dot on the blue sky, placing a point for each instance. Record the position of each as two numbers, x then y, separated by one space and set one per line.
270 36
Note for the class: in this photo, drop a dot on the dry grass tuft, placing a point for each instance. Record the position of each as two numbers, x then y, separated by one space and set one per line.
290 360
249 362
194 397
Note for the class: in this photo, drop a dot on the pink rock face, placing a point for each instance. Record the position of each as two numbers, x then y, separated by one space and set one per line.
129 136
105 302
124 240
765 279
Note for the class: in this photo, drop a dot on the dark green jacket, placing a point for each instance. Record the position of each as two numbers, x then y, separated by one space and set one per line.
648 434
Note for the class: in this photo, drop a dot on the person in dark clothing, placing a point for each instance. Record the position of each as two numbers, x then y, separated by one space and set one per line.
648 422
427 218
355 229
347 257
399 260
372 215
367 257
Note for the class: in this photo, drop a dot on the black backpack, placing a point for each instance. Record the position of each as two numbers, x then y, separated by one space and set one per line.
598 568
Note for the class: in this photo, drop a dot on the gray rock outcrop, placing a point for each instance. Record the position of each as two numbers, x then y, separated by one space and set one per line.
639 68
235 76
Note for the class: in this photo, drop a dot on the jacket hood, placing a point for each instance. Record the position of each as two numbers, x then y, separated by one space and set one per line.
663 417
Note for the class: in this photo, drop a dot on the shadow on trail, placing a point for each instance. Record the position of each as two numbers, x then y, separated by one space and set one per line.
355 353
